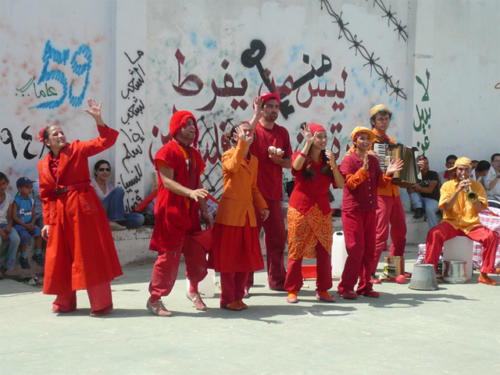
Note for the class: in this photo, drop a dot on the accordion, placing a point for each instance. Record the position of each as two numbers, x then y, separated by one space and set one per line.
410 174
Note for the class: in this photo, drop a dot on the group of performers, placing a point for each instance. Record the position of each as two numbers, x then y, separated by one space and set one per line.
81 254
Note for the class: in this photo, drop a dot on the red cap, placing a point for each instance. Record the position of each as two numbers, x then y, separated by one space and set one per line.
270 95
178 120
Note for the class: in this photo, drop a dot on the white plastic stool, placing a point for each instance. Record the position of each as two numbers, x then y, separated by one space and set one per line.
460 248
339 254
206 287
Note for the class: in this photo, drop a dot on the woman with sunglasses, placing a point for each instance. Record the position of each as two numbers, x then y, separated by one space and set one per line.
80 250
112 199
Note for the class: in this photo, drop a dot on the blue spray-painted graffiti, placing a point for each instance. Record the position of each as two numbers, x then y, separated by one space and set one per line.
51 54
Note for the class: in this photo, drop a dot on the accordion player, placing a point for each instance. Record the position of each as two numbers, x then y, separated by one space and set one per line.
410 174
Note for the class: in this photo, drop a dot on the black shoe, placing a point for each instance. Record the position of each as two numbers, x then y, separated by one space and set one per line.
24 263
38 258
419 212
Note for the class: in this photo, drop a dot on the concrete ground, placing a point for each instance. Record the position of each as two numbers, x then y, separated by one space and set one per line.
453 330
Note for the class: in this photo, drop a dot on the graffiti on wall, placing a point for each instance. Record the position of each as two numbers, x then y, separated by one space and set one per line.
232 97
131 126
53 74
423 125
369 57
252 57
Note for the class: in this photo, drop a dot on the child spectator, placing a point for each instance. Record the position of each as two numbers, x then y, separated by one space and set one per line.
7 233
24 215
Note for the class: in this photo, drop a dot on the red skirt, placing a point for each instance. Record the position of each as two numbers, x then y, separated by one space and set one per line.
235 249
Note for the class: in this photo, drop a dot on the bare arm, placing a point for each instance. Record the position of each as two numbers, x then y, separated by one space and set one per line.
167 178
427 190
299 161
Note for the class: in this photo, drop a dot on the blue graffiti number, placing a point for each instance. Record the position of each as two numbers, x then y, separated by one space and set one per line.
61 57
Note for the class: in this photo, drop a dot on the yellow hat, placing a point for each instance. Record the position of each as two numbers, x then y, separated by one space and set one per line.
362 129
462 160
379 108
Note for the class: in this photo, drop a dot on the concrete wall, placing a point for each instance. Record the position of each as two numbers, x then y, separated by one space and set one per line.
434 63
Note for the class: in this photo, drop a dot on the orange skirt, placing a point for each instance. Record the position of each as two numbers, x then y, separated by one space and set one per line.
304 232
235 249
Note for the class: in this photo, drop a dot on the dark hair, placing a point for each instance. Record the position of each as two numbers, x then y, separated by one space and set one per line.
3 177
483 165
308 171
494 155
45 133
422 157
98 164
451 156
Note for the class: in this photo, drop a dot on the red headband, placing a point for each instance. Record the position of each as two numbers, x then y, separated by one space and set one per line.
316 128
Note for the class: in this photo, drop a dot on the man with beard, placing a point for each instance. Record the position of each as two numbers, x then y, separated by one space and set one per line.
273 151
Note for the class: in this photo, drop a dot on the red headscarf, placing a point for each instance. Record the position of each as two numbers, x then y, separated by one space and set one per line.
316 128
270 95
178 120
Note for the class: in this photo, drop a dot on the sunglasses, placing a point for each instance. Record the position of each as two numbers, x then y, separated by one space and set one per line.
104 169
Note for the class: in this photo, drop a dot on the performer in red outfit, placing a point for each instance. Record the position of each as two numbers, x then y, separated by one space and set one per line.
236 245
272 148
460 218
80 249
310 227
390 209
177 225
362 178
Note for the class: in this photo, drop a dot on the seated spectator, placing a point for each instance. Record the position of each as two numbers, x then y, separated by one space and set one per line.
24 215
482 169
491 181
424 196
7 233
112 199
38 203
447 175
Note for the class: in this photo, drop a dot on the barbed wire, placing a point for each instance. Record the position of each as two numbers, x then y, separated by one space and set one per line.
391 19
371 59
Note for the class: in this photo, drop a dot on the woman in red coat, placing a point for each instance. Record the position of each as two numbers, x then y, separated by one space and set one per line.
80 250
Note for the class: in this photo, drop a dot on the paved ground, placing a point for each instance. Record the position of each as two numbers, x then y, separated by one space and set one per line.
454 330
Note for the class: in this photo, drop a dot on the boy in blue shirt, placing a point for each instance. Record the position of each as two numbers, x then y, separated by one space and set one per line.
24 216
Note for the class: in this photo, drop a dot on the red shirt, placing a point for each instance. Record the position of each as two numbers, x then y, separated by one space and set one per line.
360 188
308 192
270 175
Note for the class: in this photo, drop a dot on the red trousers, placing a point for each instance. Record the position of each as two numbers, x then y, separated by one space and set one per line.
390 211
445 231
99 297
232 286
293 281
274 240
359 233
167 265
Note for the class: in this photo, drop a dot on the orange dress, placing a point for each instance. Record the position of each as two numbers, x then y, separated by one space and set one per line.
80 250
236 245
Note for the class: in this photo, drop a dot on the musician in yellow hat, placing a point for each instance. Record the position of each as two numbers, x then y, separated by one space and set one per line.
390 209
461 201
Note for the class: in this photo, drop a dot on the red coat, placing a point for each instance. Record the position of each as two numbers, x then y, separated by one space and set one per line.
80 250
176 215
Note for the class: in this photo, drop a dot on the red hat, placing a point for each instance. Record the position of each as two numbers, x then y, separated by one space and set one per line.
270 95
316 128
178 120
